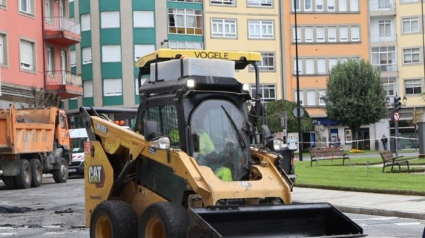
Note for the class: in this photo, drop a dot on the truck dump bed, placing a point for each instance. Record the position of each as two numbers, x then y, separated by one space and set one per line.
26 130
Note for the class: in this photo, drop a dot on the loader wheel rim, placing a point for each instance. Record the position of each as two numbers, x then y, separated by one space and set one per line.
154 229
63 171
103 227
38 172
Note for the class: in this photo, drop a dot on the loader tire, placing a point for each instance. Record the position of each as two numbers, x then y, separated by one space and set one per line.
113 219
61 175
23 179
9 181
164 220
37 173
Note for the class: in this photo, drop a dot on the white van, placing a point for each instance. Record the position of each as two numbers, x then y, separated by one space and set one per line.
78 137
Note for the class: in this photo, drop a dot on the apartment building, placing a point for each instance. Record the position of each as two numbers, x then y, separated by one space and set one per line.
250 25
397 43
35 37
327 32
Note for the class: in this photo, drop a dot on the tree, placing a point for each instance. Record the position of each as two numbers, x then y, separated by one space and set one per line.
355 95
274 112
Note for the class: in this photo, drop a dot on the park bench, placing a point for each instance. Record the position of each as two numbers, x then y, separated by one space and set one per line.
388 159
328 154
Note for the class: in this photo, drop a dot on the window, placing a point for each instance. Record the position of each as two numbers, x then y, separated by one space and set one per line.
48 10
260 3
223 28
50 59
411 56
267 62
198 1
384 4
311 97
309 66
332 63
301 97
354 5
384 58
141 50
410 24
389 84
343 33
300 66
26 6
331 5
298 34
73 58
342 5
320 34
332 34
297 3
319 5
87 59
307 5
143 19
88 89
3 3
321 66
223 2
112 87
322 95
27 55
308 31
111 53
413 86
268 92
3 50
260 29
384 29
409 0
185 21
109 20
85 22
185 45
355 33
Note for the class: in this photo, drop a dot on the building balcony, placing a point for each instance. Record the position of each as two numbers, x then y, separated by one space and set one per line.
383 8
383 38
386 67
64 83
61 31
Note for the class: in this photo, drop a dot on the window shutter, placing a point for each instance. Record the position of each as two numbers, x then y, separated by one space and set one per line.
112 87
110 19
308 34
88 89
85 22
321 66
111 53
309 66
143 19
27 55
141 50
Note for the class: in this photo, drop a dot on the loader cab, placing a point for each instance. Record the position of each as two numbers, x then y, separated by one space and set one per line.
199 102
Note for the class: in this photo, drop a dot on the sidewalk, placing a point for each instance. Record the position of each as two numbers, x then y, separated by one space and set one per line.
364 203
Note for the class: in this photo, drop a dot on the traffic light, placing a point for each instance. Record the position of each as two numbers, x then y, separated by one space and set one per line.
397 103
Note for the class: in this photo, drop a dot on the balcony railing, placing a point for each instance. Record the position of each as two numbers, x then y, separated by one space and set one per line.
61 24
387 67
382 6
380 37
64 78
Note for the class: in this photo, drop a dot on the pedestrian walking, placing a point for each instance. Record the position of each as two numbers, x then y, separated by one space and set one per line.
384 141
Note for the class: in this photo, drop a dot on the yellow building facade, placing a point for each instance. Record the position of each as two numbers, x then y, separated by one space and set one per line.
251 25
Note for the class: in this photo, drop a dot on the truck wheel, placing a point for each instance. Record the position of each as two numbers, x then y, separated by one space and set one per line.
9 181
164 220
61 175
37 173
23 180
113 219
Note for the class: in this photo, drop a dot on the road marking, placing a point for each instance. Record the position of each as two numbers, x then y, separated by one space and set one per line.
51 226
407 223
55 233
6 227
8 234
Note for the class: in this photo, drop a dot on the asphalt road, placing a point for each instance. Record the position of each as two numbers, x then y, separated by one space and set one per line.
57 210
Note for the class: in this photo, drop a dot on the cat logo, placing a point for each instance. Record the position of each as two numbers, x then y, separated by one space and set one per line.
96 175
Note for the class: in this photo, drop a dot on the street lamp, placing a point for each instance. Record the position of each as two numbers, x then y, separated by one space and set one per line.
300 134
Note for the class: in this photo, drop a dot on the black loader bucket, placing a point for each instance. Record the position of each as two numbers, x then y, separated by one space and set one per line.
292 220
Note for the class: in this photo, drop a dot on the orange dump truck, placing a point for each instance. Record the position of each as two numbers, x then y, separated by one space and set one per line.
33 142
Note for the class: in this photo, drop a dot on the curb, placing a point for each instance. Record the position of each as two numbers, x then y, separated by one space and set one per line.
380 212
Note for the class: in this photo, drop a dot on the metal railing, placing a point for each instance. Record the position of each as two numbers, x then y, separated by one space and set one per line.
61 24
380 37
63 78
387 67
382 6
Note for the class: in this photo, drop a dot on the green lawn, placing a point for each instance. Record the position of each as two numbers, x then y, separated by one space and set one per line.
331 174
